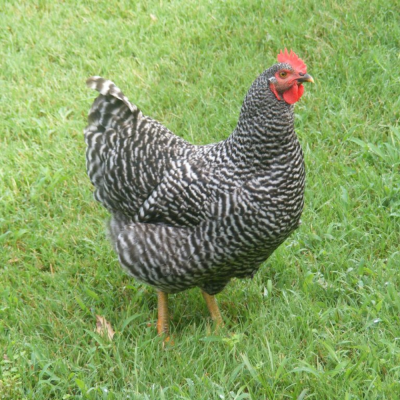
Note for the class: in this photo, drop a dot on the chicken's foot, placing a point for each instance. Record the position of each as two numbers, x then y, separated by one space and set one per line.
163 317
213 308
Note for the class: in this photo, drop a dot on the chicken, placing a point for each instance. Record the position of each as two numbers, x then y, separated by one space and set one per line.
184 215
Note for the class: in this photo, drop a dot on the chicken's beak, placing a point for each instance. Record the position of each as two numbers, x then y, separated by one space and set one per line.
305 78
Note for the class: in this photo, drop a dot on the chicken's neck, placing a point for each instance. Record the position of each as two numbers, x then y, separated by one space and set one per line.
263 136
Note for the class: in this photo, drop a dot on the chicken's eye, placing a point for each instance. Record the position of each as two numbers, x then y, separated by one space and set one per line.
283 74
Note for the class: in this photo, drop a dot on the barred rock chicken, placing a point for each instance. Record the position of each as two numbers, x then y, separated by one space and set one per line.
184 215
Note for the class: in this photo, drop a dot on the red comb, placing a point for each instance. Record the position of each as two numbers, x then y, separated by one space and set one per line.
292 59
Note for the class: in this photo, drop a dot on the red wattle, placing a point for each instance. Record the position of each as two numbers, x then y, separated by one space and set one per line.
293 94
272 87
301 91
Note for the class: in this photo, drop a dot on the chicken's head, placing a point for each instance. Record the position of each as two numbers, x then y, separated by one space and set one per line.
286 83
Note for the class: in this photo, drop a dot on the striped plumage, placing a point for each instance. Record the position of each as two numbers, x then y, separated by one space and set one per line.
185 215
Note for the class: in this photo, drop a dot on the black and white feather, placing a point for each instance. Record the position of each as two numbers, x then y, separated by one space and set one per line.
186 215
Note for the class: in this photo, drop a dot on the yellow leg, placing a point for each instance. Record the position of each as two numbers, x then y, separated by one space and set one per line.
213 308
163 317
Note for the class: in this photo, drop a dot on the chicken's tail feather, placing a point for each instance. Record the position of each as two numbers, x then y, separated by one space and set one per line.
111 116
112 109
108 88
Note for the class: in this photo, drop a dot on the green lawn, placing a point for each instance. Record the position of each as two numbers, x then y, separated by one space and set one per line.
321 318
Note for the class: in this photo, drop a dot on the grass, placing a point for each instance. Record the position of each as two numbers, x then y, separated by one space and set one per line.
321 318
